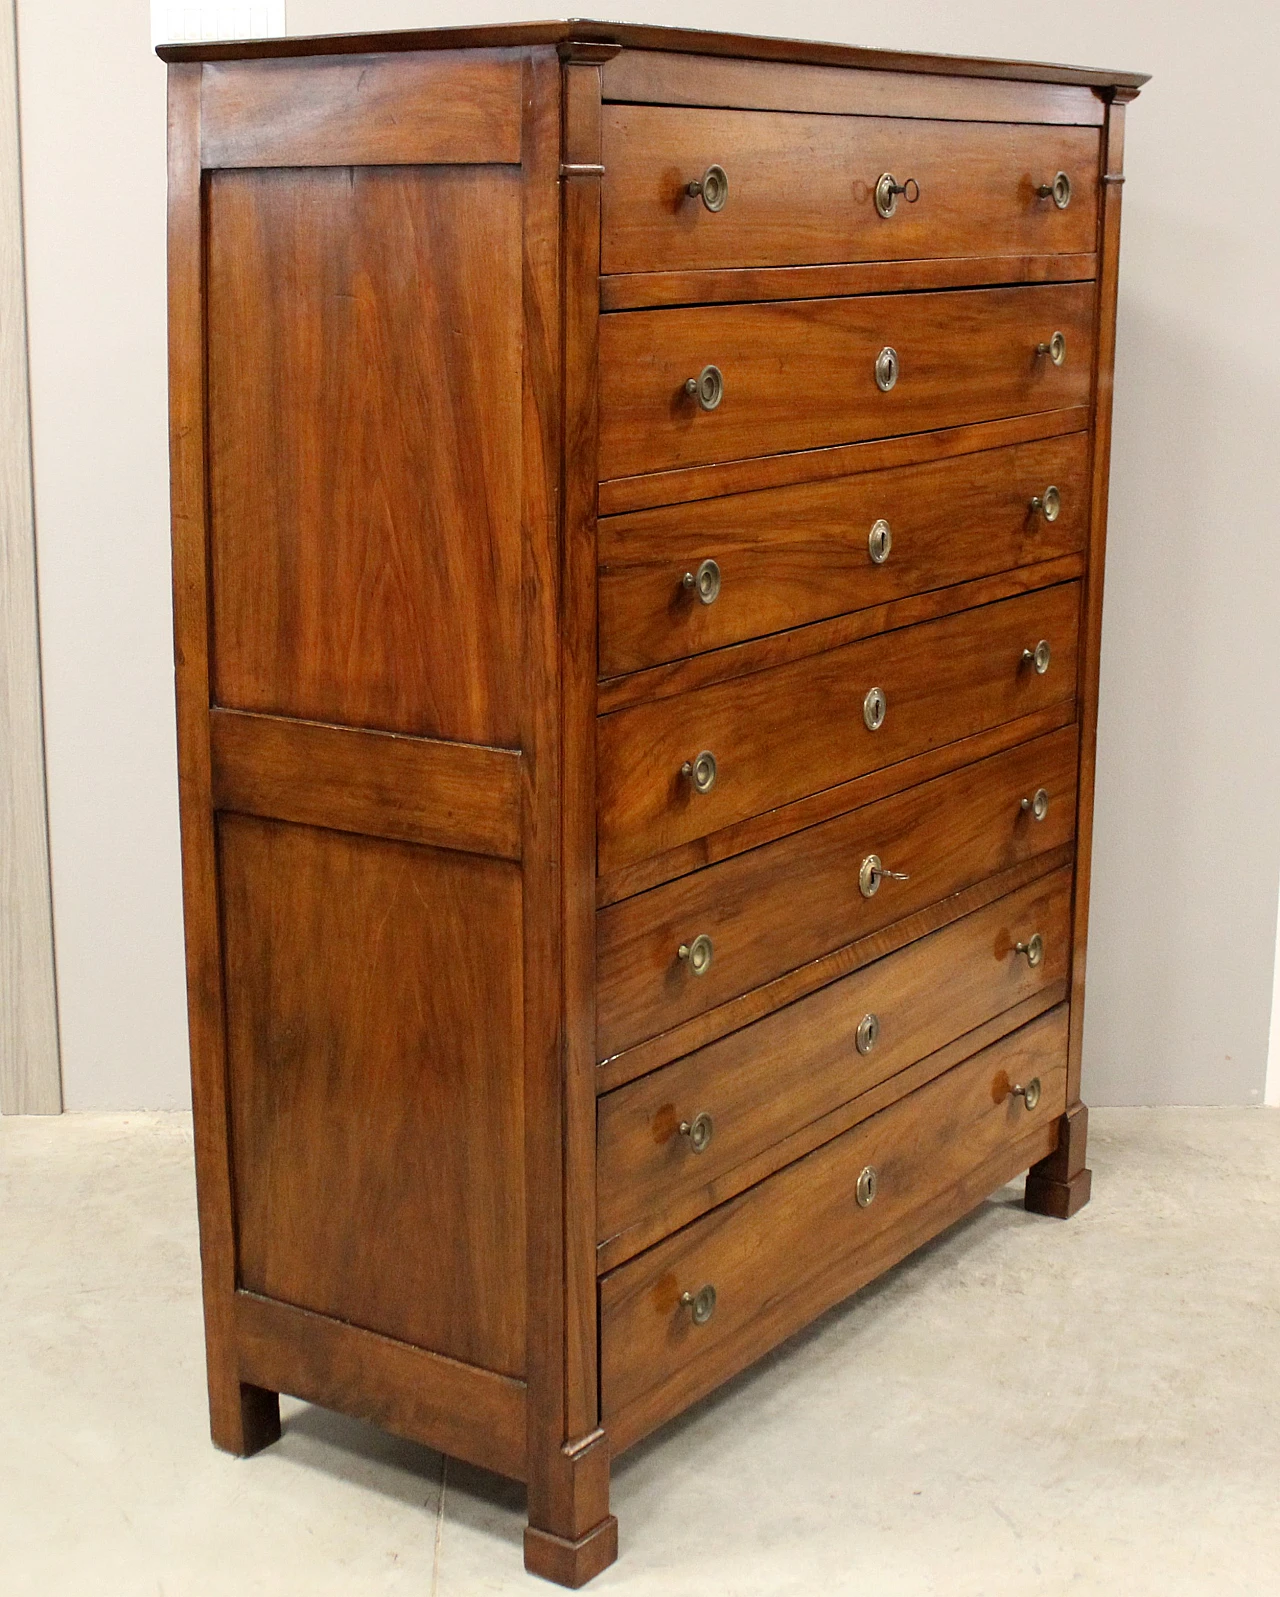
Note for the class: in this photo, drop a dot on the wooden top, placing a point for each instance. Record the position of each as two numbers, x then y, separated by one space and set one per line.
643 36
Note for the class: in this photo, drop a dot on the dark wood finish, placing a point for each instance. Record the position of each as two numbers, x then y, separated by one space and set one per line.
778 907
793 730
789 556
1059 1186
800 374
461 1409
646 290
453 795
799 1242
802 189
665 78
802 1062
362 110
365 446
770 471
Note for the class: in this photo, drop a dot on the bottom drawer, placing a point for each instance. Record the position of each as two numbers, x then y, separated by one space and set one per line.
692 1311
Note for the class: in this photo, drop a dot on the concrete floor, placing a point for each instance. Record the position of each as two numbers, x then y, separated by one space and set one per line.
1025 1409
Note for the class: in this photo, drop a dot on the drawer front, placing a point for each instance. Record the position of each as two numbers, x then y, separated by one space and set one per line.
748 1091
781 734
787 556
776 908
800 1241
802 189
801 374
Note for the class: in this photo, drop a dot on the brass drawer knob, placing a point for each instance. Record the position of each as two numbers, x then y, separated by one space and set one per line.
702 1302
699 1131
1055 349
872 872
698 954
1038 657
1059 191
700 773
886 368
1033 948
1048 504
879 542
868 1033
705 581
707 387
1037 806
888 189
712 188
874 709
1030 1094
868 1186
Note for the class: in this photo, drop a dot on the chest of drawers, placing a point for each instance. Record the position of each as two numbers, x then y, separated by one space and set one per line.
639 503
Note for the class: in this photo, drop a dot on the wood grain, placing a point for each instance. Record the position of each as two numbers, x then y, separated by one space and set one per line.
793 730
794 555
800 374
799 1242
776 908
30 1078
802 189
365 447
375 1067
362 110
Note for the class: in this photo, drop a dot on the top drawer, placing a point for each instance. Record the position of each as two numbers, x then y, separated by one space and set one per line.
802 189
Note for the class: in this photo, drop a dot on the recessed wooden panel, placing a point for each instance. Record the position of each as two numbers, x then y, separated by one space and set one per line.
374 1016
365 447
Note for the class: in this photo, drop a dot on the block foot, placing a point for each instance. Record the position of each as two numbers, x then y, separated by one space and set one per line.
1058 1199
247 1422
568 1563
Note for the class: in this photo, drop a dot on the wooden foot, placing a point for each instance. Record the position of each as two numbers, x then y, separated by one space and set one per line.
568 1563
247 1422
571 1535
1059 1186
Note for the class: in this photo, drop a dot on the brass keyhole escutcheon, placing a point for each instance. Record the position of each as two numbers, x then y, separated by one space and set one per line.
1059 191
701 772
1037 806
1030 1094
872 872
1048 504
698 954
702 1303
705 581
699 1131
868 1186
1033 948
868 1033
1039 657
707 387
712 188
874 709
879 542
886 368
1055 349
888 189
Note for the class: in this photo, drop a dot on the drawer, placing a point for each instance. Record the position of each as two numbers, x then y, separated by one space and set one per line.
800 1241
795 729
748 1091
778 907
801 374
788 556
802 189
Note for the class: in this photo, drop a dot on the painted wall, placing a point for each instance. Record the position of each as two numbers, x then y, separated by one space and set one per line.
1188 826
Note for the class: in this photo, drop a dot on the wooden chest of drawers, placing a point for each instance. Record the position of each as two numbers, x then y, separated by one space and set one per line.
639 504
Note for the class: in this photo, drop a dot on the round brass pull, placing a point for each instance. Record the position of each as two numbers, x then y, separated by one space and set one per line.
701 772
1039 657
886 368
1048 504
699 1131
699 954
702 1302
707 387
1037 805
874 709
1033 948
872 872
879 542
888 189
1055 349
868 1186
1030 1094
712 188
705 581
1059 191
868 1033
